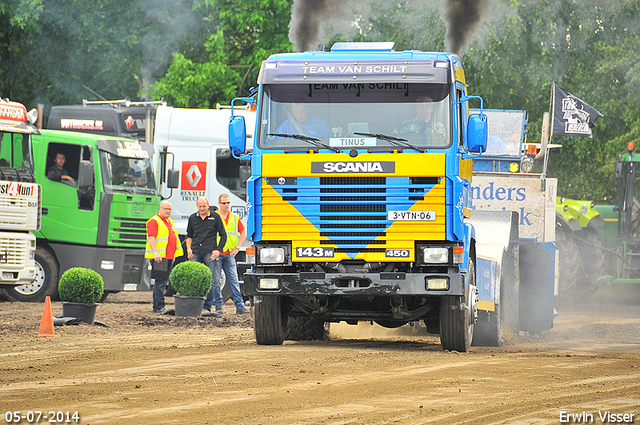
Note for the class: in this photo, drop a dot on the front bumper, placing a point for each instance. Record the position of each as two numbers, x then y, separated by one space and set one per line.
352 284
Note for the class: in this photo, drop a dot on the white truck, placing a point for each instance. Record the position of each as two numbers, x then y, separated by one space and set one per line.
20 196
195 142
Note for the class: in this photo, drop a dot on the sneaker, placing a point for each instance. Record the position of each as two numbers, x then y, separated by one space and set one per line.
240 312
208 313
163 310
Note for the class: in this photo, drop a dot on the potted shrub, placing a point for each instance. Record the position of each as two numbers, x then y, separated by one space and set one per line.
80 291
192 282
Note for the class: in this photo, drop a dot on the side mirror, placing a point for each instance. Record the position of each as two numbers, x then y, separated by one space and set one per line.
478 132
86 174
245 174
237 135
173 178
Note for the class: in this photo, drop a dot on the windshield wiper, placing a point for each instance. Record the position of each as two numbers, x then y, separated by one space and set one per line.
395 141
312 140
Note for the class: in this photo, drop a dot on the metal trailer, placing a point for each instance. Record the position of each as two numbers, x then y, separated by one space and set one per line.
508 195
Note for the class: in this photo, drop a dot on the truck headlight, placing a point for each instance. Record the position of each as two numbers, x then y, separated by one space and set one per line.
268 283
271 255
435 255
107 265
437 283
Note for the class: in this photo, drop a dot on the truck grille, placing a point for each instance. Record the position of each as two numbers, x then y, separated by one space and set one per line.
13 252
130 231
351 212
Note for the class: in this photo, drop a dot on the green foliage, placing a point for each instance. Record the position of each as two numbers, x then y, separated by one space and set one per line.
196 53
244 34
191 279
80 285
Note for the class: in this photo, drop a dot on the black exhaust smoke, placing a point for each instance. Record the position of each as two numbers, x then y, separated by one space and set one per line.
461 18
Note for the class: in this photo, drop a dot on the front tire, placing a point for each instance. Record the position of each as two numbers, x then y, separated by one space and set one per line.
45 283
269 322
305 328
458 316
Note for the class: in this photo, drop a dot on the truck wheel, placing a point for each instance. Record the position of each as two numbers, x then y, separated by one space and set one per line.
269 323
458 316
46 282
305 328
225 289
591 249
489 329
569 264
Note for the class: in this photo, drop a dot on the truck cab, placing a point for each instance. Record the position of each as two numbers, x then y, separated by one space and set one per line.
121 118
20 196
360 191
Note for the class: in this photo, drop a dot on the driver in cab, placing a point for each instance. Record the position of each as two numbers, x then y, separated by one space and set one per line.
304 122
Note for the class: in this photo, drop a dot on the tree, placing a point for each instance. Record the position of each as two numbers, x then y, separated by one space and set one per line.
244 35
56 48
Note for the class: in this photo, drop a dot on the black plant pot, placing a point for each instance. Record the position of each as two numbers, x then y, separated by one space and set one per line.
84 311
186 306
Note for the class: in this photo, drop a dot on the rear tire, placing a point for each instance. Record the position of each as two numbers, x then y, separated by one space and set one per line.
305 328
489 329
593 260
45 283
269 323
457 322
569 264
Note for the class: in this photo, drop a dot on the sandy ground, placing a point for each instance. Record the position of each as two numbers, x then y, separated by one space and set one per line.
145 368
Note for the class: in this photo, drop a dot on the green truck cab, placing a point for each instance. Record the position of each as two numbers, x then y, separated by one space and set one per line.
97 220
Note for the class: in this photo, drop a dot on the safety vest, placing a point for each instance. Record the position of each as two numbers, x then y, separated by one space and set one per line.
162 239
232 231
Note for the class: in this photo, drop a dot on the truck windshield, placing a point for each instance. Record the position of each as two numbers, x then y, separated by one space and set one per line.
350 115
130 175
16 162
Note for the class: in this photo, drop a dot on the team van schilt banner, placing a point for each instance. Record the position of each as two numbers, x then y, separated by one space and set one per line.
571 115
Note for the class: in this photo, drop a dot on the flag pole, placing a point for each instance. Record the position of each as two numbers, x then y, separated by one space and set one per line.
547 127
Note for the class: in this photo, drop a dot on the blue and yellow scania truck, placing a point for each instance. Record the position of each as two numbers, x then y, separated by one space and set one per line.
360 195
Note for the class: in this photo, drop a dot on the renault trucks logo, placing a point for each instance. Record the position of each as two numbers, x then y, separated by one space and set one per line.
130 122
353 167
193 175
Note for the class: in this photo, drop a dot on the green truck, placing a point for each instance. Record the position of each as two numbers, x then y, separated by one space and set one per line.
98 220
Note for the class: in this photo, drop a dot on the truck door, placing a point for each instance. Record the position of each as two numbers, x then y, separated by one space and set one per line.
67 207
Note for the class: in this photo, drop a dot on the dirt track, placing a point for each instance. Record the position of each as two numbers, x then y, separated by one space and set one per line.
150 369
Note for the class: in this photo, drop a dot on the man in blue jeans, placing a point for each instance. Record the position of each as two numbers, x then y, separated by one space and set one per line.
206 237
236 235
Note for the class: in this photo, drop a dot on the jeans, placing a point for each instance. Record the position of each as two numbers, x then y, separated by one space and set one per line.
228 264
207 261
158 291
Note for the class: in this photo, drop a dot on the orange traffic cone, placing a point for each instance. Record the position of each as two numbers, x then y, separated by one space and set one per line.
46 325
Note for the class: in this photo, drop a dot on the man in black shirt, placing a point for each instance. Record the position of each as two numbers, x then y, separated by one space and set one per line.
203 229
